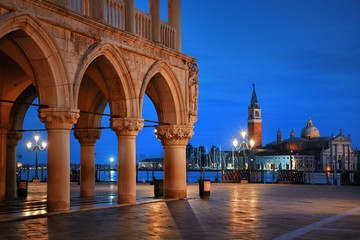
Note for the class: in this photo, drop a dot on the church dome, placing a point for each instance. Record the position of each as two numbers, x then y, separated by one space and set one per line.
310 131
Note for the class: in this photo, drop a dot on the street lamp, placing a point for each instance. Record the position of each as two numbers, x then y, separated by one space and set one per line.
111 160
19 170
252 144
235 143
243 145
36 148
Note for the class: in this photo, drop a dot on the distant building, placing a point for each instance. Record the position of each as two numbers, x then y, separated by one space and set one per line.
151 163
309 151
255 120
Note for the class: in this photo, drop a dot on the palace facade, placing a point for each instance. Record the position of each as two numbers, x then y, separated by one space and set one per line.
77 56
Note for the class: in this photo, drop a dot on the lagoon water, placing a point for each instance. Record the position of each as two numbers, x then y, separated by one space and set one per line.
192 176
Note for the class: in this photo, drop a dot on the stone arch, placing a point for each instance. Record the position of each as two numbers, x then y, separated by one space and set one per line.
116 87
162 87
47 71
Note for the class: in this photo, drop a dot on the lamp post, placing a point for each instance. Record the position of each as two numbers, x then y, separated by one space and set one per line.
235 143
252 144
111 160
36 147
19 170
243 145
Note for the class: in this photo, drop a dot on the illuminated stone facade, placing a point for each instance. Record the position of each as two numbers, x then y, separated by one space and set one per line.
76 57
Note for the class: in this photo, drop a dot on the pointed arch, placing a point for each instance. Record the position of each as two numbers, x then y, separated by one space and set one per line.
119 89
163 88
49 71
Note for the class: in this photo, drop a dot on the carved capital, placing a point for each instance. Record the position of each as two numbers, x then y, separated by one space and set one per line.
87 135
174 134
126 126
58 118
13 138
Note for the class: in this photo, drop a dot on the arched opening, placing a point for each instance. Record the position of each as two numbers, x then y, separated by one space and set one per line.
161 96
162 88
31 126
102 93
32 68
17 91
149 149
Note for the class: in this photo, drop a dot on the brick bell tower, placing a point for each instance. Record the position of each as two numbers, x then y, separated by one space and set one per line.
254 120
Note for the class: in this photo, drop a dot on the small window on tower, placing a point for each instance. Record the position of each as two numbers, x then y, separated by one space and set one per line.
257 114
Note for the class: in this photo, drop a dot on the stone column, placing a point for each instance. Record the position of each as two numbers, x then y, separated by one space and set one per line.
127 130
155 19
3 132
12 141
174 16
174 139
129 16
98 10
58 122
87 139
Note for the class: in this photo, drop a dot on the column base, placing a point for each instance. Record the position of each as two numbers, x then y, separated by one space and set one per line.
58 205
86 194
126 198
170 193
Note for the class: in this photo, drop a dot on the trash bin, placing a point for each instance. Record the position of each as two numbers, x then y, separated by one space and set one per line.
22 188
158 187
204 188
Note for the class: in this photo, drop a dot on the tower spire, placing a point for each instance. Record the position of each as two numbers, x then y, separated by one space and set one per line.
254 101
254 120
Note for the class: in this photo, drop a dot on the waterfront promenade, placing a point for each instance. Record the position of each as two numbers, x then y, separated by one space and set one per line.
233 211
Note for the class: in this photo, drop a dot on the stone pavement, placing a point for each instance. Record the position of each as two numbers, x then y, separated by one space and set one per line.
233 211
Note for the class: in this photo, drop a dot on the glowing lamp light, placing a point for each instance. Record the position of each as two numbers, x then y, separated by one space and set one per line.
235 142
252 143
36 137
28 145
243 134
19 165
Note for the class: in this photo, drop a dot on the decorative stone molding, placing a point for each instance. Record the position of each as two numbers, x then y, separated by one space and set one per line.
174 134
126 126
87 135
13 138
193 90
58 118
193 119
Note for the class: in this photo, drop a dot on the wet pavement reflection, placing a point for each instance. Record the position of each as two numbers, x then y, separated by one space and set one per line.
233 211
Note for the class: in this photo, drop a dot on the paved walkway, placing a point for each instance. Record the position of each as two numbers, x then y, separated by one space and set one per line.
234 211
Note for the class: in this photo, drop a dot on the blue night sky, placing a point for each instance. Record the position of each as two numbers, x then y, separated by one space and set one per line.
302 56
